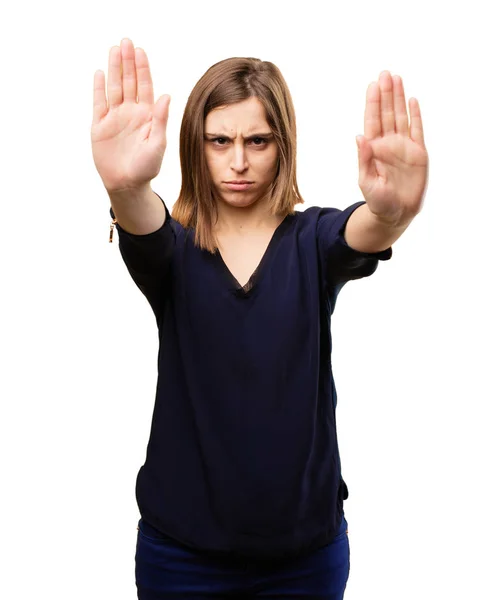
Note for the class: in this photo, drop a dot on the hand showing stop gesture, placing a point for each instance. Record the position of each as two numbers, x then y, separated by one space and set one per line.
128 130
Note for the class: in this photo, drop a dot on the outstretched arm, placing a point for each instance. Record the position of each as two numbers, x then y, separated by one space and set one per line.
129 138
393 167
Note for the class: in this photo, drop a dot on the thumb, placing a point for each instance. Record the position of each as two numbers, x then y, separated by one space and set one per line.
160 117
358 139
365 155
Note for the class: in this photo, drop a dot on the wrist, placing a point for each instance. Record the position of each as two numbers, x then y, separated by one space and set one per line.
393 222
129 193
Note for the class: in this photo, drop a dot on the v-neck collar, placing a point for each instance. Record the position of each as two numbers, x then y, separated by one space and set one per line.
231 281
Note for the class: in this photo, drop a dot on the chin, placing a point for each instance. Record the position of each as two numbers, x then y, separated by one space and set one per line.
238 199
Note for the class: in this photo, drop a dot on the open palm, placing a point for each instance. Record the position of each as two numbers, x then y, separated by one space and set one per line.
393 160
129 131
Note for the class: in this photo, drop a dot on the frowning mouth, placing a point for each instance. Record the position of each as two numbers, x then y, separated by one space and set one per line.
238 185
239 181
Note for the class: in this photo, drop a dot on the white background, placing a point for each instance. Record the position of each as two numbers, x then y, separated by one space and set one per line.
78 340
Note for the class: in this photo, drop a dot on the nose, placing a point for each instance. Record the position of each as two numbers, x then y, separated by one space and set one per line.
239 158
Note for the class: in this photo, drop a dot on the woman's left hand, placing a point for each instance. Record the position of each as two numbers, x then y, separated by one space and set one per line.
393 160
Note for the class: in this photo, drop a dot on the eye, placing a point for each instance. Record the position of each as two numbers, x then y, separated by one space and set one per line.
259 141
220 141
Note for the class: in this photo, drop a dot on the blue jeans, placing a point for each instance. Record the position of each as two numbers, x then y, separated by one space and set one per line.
166 569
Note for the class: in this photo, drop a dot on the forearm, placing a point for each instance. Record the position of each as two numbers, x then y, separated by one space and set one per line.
138 211
365 232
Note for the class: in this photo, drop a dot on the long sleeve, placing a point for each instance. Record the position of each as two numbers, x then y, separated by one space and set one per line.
341 262
148 259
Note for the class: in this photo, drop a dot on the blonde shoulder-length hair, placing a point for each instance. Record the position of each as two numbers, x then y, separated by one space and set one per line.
227 82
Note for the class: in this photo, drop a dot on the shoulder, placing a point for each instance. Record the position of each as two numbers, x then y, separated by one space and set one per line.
316 217
315 213
326 218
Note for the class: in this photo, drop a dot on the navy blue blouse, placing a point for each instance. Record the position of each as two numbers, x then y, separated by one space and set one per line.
243 456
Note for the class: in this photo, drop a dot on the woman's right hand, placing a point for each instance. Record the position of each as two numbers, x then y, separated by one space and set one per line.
128 135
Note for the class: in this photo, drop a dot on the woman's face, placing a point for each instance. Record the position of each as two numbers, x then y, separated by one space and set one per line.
241 152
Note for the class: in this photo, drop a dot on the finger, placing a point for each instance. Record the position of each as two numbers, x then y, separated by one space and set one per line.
366 166
114 81
99 97
386 93
372 123
144 77
129 75
416 125
401 116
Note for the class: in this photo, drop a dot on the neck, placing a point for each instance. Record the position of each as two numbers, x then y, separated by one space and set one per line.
243 220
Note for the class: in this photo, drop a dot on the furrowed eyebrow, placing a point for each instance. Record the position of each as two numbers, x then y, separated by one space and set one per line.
250 137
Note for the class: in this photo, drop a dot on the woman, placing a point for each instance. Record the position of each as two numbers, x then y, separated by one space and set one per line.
241 493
